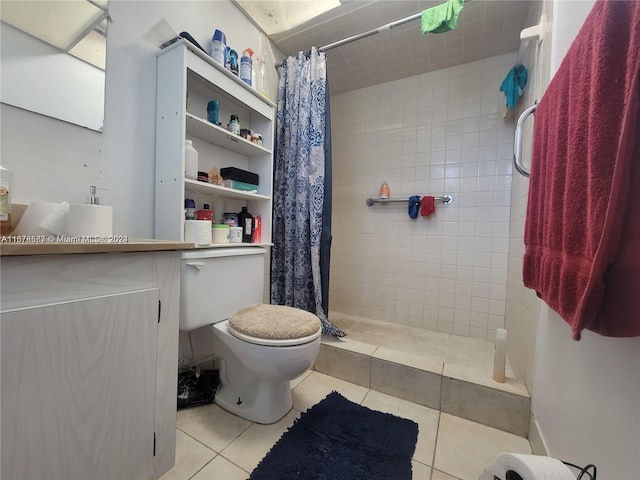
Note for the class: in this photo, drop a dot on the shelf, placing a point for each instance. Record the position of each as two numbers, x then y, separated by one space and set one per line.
220 191
193 49
211 133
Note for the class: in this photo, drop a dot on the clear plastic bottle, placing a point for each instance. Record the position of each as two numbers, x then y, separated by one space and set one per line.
6 177
190 161
261 76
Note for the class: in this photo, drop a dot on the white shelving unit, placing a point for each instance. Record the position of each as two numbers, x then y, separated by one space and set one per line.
187 80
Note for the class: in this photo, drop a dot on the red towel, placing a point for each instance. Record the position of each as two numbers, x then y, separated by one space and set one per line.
427 205
582 231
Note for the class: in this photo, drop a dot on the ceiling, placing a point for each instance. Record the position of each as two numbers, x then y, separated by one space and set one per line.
485 28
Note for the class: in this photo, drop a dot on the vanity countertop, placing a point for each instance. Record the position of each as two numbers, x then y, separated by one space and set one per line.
13 246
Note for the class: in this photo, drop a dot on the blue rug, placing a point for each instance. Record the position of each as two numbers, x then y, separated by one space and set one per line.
337 439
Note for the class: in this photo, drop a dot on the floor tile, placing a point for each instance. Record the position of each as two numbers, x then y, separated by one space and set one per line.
318 385
191 456
425 417
438 475
464 448
420 471
222 469
296 381
212 425
254 443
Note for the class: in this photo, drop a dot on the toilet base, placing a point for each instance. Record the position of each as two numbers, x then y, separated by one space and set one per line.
266 403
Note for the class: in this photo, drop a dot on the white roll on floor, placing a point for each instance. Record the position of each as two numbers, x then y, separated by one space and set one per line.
529 467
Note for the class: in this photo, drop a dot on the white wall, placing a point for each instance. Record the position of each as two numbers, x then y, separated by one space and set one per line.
56 161
431 134
586 394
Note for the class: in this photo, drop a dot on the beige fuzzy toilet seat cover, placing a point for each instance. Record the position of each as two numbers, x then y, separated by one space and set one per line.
276 322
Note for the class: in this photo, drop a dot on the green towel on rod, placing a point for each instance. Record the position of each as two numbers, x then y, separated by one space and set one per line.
441 18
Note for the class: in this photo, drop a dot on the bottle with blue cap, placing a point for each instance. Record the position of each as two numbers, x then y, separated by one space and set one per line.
219 47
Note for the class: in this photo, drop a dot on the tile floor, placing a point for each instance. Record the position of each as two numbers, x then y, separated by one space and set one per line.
215 445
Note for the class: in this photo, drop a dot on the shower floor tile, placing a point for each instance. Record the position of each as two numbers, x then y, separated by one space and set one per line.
447 372
448 447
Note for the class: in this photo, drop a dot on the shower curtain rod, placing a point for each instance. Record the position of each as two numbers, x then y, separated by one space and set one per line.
369 33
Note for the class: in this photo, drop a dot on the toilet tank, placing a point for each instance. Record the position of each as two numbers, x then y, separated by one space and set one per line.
217 282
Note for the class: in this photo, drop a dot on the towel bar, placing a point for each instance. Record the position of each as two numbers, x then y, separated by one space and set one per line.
446 200
517 142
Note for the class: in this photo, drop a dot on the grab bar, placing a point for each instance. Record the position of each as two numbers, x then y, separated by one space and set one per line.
517 142
446 200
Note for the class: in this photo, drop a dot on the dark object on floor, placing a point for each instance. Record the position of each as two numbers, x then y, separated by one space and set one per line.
197 388
341 440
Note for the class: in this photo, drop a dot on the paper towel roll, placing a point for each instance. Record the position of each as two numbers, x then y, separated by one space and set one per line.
529 467
33 216
90 220
197 231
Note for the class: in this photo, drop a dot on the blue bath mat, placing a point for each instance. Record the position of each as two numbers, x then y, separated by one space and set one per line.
337 439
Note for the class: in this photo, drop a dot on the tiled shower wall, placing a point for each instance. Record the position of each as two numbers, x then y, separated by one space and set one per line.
431 134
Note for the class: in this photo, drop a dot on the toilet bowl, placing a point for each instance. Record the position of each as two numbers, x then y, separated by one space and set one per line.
255 378
261 347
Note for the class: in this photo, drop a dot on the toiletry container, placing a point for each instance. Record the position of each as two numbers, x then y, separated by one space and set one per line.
190 161
233 61
6 177
205 213
246 66
220 233
384 190
219 47
245 221
230 219
234 124
213 112
235 234
261 76
189 209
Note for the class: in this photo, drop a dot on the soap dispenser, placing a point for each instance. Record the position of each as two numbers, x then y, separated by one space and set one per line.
93 198
90 221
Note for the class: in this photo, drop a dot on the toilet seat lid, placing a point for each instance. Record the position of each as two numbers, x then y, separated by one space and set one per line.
275 325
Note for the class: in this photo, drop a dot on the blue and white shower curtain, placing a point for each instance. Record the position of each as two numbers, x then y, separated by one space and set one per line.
301 212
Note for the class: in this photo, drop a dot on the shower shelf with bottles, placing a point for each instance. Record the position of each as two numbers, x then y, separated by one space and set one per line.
187 79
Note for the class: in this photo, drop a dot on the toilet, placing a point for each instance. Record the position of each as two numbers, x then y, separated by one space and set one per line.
261 347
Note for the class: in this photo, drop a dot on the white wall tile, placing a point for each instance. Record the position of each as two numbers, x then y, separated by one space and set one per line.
435 134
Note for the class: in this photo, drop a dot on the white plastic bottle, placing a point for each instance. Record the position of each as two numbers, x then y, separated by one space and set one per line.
246 66
190 161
